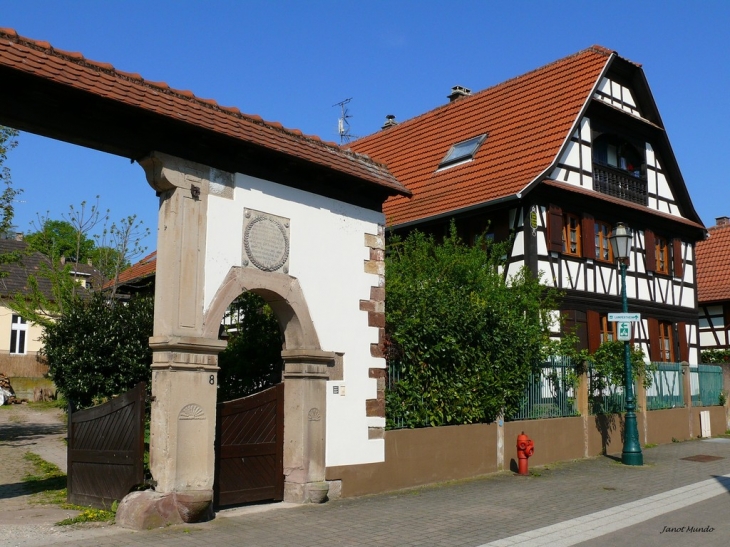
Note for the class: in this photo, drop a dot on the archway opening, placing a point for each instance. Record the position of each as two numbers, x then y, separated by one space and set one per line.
252 359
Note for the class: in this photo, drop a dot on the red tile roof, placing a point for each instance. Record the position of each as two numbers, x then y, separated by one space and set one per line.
527 120
713 265
102 79
136 272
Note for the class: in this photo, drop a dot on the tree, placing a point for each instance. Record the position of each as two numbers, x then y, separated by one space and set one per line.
461 339
8 141
252 359
99 348
69 239
59 238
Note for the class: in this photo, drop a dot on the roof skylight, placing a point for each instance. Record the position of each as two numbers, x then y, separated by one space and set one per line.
462 151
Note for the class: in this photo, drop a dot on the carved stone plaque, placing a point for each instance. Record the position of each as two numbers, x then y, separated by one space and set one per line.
265 241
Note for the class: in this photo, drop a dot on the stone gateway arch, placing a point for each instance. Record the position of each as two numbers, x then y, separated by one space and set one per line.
244 205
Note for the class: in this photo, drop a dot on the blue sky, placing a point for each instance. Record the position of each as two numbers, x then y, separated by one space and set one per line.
291 61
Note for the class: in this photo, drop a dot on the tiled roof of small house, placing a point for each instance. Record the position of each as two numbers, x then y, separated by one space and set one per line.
139 271
102 79
15 278
713 265
527 120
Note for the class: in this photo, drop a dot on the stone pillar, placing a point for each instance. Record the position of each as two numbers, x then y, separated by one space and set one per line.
185 361
305 377
182 425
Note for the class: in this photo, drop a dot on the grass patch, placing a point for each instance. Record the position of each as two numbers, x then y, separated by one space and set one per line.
650 445
48 484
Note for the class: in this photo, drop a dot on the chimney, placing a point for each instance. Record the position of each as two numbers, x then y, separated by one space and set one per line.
457 92
722 221
18 236
389 121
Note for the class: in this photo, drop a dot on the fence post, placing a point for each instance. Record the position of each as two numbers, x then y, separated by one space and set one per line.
687 387
641 405
581 399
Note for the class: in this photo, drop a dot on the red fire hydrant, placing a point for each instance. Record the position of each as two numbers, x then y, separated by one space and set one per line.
525 449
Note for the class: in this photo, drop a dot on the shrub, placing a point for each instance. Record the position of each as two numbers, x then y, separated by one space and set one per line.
99 348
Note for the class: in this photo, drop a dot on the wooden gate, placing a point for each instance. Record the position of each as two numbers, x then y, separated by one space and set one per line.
250 448
106 450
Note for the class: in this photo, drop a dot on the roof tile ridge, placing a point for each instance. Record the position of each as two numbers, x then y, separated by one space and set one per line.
398 128
133 77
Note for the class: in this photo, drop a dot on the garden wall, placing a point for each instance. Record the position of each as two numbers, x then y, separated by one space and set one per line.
415 457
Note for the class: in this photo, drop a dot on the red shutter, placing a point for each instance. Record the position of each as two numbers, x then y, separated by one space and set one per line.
588 236
682 337
594 330
650 253
677 256
654 350
555 229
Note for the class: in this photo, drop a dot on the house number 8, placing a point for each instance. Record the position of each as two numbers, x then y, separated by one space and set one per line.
211 380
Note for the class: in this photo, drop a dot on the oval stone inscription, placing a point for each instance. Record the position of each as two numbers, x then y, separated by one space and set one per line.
266 243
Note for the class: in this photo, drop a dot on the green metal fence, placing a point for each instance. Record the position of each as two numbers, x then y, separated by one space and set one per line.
605 397
667 387
548 393
706 384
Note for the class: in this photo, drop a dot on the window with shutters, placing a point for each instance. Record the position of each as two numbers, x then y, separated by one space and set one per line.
571 235
662 255
666 342
18 331
603 245
608 329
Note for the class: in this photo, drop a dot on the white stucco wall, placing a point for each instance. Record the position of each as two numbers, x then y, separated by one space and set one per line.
327 256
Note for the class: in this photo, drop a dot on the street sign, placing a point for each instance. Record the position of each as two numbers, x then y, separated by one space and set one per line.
624 331
630 317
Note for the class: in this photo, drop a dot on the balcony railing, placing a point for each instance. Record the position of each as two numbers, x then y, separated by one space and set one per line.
620 184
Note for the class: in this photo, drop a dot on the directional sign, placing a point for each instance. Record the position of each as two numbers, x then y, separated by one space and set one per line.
630 317
624 331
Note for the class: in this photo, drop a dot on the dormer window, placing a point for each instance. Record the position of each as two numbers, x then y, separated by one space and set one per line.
462 151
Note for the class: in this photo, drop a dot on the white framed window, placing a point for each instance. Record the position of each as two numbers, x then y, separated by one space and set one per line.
18 334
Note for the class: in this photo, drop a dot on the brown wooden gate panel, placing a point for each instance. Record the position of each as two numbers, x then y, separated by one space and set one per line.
106 450
250 448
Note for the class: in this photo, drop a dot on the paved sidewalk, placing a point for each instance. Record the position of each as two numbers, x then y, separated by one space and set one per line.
470 513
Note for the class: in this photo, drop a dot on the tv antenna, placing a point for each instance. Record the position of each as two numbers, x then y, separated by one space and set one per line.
343 126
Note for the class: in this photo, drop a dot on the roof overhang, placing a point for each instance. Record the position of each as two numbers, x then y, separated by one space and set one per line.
128 117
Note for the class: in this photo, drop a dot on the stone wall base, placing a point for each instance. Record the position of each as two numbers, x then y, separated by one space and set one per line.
149 509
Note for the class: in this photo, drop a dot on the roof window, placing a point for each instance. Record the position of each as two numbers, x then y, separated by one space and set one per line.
462 151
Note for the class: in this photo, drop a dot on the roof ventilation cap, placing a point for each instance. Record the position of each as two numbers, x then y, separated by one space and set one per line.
389 121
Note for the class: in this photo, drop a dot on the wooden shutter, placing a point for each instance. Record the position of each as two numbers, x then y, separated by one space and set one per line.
682 338
499 226
594 330
588 236
574 320
555 229
677 257
654 349
650 253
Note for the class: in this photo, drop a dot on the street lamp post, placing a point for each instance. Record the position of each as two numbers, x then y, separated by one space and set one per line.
621 245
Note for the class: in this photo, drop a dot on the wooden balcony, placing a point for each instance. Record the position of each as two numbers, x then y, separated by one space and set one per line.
619 183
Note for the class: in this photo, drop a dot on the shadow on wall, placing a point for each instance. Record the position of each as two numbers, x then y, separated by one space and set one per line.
608 425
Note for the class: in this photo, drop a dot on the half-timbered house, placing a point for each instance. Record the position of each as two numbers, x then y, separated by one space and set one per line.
713 286
552 160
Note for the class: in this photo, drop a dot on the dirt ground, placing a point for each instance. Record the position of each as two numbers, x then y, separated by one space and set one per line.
41 431
24 429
